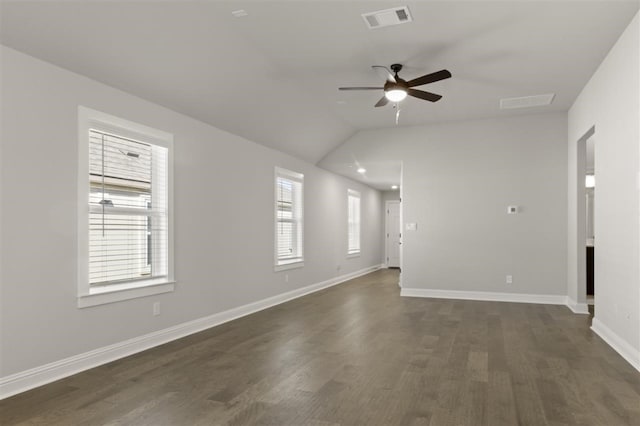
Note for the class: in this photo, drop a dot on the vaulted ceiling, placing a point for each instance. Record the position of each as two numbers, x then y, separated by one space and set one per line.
272 76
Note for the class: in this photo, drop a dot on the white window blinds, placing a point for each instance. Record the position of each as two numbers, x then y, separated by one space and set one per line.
289 217
353 222
128 209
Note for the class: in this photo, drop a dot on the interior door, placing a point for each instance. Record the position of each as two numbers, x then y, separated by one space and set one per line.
393 235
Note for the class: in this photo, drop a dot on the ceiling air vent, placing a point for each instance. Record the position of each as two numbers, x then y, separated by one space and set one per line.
526 101
387 17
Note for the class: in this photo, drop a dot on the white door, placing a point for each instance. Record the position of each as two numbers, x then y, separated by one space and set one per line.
393 234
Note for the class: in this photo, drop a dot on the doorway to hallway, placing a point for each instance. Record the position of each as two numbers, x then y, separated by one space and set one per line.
393 236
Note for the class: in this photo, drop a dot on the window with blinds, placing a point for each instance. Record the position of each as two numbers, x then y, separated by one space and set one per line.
353 221
128 209
288 217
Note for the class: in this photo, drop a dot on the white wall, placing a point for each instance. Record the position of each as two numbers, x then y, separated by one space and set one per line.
223 219
390 196
610 102
458 179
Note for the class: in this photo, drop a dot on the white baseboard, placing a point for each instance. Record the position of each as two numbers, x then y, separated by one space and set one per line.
577 307
547 299
626 351
41 375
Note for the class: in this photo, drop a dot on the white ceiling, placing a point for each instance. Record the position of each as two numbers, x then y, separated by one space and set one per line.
272 76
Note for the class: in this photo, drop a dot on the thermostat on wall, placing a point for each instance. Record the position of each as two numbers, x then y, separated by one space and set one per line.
512 209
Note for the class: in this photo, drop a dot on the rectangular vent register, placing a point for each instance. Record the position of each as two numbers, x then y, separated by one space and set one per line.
387 17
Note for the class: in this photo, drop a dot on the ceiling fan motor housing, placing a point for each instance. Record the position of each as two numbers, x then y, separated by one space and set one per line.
399 84
396 68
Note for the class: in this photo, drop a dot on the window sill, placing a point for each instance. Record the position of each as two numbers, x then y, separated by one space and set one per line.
291 265
351 255
120 292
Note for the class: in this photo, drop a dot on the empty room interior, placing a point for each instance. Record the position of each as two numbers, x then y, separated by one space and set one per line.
320 213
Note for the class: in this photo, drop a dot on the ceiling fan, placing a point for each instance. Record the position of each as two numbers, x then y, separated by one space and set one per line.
396 89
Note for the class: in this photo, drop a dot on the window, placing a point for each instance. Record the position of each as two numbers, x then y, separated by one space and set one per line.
124 228
353 201
288 219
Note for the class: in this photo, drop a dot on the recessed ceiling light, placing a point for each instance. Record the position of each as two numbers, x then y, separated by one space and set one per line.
361 170
239 13
394 186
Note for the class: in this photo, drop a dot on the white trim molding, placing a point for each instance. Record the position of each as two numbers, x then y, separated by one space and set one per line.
626 351
547 299
41 375
577 307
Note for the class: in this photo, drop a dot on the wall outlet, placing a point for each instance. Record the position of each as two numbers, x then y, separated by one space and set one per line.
156 309
286 278
509 279
338 268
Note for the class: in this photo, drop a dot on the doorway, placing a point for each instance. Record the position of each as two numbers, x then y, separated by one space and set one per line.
590 187
393 236
584 225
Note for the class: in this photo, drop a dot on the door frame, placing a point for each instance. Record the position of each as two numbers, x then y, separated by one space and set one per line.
578 300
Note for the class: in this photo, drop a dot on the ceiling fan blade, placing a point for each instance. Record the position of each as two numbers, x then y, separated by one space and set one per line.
424 95
429 78
360 88
382 102
385 72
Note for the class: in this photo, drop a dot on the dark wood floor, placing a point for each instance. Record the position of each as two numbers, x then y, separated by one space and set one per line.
359 354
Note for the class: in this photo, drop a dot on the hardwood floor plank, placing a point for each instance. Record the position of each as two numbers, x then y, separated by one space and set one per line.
501 408
553 401
478 366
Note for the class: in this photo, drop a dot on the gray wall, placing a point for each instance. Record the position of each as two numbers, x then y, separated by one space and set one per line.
458 180
390 196
223 219
611 103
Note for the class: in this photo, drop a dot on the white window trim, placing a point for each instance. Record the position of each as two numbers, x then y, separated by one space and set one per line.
283 265
351 254
87 296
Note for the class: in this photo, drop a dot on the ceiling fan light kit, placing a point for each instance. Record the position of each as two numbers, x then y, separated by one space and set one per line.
396 89
396 94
